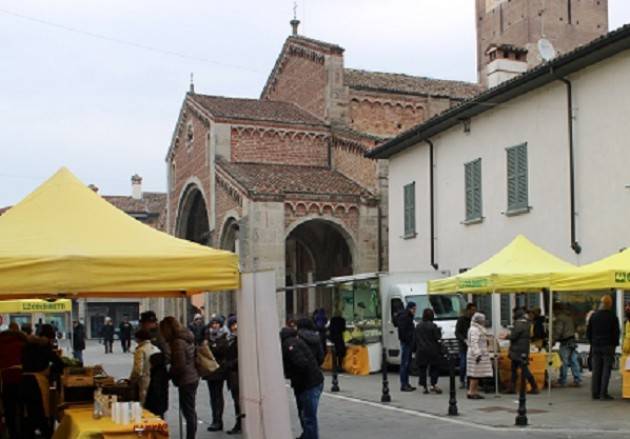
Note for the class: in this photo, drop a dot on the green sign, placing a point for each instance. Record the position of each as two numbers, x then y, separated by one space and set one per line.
473 283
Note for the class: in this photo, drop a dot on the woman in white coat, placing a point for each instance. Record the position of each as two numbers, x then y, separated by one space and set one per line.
141 372
478 364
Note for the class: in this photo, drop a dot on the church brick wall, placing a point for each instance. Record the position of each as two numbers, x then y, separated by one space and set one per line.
384 117
346 213
190 160
352 163
297 71
276 146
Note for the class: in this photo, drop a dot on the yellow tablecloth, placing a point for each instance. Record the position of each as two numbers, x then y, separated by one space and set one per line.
78 423
356 361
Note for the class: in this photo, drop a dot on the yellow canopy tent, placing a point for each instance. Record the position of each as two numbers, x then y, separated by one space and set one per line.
521 266
63 240
612 272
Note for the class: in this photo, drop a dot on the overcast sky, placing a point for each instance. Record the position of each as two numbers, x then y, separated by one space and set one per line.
96 85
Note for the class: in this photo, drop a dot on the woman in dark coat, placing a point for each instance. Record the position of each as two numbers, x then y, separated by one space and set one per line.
183 371
157 395
428 349
231 368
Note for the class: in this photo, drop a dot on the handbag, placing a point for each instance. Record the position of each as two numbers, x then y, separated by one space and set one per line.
204 361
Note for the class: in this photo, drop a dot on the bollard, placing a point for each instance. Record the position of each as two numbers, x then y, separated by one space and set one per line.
521 418
385 397
335 378
452 402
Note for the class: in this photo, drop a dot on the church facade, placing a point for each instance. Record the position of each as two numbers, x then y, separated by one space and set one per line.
283 179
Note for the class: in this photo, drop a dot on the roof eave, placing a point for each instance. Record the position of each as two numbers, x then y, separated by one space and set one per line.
596 51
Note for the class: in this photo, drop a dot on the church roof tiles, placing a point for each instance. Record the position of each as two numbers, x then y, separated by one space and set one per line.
262 179
407 84
255 109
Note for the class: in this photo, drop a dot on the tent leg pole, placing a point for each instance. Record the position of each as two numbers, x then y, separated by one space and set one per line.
496 317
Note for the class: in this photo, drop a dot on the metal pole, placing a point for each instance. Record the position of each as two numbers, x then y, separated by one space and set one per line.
335 379
550 353
385 396
521 418
452 402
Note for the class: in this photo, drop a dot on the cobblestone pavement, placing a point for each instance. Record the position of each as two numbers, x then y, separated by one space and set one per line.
356 413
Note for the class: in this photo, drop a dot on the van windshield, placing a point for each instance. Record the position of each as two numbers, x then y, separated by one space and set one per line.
445 307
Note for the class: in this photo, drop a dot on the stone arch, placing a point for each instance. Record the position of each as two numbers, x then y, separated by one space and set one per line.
193 219
317 248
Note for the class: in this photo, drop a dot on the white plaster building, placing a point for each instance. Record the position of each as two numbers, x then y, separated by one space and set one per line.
475 168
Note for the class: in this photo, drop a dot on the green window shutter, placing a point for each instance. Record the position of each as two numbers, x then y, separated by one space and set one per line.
473 189
517 177
410 208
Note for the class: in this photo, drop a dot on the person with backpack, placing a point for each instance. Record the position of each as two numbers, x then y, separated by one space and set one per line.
336 330
308 333
320 320
307 380
404 320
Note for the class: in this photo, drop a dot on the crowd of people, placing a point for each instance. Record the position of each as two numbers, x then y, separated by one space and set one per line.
421 345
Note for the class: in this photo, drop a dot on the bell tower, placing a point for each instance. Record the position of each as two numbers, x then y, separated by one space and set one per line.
567 24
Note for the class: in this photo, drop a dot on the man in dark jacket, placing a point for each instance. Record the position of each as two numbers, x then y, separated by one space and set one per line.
78 340
125 330
519 350
336 329
603 333
198 328
308 333
307 380
108 335
218 343
461 334
404 321
231 366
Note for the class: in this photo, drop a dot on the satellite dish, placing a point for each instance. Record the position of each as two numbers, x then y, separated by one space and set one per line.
546 49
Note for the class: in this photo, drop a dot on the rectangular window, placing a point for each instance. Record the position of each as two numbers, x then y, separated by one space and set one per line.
517 182
473 190
410 210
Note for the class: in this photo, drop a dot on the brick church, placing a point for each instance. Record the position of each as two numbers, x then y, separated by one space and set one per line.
283 179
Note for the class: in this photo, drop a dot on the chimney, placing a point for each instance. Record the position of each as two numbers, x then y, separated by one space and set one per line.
93 187
294 25
504 62
136 187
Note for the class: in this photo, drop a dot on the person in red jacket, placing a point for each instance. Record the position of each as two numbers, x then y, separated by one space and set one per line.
12 342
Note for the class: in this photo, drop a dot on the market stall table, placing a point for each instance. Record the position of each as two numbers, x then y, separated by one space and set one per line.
78 423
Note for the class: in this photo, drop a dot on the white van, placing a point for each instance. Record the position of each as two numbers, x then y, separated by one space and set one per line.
398 289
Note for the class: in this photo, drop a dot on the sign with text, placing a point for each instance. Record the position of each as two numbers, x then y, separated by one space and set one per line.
29 306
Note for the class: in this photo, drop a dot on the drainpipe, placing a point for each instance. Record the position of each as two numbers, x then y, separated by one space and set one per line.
434 263
380 238
575 245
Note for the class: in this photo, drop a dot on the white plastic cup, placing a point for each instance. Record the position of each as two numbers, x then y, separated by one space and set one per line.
126 413
136 411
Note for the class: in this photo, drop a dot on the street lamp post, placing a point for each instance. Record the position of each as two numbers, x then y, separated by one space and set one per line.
521 417
452 401
385 396
335 378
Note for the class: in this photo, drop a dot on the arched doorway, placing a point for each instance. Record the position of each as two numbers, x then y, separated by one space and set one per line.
316 250
192 221
193 225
